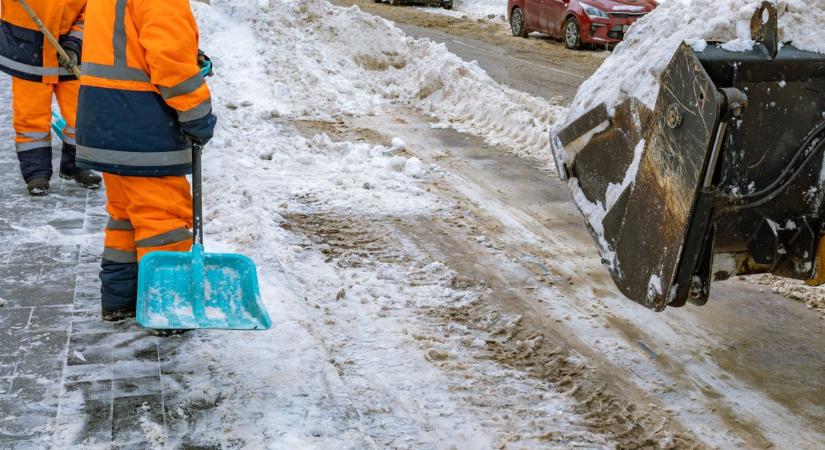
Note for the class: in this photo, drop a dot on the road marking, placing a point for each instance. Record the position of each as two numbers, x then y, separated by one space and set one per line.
543 66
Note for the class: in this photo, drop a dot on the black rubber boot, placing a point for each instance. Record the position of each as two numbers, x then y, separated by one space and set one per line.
85 178
70 171
118 290
38 187
116 315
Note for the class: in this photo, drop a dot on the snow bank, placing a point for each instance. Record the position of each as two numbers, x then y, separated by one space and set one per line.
812 296
487 9
476 9
327 61
634 68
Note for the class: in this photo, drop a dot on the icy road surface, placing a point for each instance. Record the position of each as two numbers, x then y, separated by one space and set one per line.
429 288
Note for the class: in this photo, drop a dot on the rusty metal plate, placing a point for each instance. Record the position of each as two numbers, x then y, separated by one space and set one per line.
660 205
644 231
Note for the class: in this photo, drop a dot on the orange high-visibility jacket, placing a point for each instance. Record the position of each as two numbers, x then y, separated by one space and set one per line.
24 50
141 88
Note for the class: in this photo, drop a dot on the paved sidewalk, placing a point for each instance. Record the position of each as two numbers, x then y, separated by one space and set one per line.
68 379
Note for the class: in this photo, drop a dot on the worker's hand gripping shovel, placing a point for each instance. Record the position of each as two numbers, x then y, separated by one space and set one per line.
65 60
179 290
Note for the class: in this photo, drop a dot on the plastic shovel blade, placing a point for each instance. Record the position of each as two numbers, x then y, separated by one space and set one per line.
179 290
58 124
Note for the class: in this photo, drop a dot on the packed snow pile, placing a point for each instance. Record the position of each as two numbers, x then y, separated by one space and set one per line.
327 61
812 296
477 9
489 9
634 68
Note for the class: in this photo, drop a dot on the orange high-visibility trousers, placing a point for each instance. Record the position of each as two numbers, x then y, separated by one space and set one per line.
32 124
146 214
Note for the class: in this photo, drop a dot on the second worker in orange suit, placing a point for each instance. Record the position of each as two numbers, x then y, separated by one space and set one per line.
31 60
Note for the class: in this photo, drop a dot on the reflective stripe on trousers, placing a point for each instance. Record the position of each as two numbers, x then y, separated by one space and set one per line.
146 214
32 104
120 241
69 135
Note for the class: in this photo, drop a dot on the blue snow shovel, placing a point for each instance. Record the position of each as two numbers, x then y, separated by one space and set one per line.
180 290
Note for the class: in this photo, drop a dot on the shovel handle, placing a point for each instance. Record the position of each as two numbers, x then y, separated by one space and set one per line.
49 36
197 193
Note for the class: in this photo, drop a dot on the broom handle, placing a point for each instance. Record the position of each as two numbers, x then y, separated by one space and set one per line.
49 36
197 193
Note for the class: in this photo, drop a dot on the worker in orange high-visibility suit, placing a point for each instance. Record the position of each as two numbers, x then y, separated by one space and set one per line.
37 76
142 103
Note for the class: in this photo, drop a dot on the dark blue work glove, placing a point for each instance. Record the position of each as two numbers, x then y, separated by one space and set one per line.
200 130
72 48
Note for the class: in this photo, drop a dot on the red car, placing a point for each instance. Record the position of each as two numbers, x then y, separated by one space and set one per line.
577 22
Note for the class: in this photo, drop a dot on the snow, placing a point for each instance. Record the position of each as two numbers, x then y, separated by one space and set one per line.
614 191
355 358
79 355
654 287
363 369
413 167
345 74
397 144
630 8
812 296
634 67
475 9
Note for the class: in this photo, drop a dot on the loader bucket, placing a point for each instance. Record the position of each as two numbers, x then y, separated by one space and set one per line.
724 177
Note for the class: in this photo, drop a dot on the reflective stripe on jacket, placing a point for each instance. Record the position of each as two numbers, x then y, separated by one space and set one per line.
141 84
24 51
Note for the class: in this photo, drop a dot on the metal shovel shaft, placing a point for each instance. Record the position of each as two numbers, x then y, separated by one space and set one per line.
198 263
197 193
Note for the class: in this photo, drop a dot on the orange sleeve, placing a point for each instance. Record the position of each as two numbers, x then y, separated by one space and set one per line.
168 32
78 26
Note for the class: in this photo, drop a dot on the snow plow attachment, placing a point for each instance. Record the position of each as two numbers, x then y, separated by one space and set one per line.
725 177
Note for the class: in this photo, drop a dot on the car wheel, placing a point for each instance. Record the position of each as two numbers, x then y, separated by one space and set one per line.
572 34
517 23
447 5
